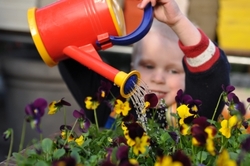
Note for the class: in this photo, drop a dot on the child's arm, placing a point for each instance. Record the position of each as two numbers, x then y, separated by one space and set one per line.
168 12
206 66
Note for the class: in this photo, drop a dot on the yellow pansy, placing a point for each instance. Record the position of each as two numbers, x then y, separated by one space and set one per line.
167 160
122 107
80 140
141 144
52 108
183 112
224 160
226 126
91 105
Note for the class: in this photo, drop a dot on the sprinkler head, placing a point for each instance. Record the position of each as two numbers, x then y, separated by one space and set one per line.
127 82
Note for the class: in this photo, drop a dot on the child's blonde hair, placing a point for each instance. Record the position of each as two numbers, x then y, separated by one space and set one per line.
163 31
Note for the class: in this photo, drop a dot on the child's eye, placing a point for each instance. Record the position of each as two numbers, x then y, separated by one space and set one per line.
172 71
146 65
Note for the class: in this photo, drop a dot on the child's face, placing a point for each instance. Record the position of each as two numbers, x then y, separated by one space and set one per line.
160 66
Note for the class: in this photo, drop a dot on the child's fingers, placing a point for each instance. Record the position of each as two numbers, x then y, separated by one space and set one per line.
145 2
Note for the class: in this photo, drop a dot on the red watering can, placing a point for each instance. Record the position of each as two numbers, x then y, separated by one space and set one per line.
77 29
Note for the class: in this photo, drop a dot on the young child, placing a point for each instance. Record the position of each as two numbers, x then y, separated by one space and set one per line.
206 66
174 56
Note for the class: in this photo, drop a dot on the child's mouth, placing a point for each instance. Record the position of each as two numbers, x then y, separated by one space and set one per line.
159 94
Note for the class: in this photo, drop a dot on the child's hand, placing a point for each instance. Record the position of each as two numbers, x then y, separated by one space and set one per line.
166 11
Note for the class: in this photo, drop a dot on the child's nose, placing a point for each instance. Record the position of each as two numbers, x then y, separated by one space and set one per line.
158 77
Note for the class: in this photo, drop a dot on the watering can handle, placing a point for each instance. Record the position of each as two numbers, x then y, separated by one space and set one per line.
139 33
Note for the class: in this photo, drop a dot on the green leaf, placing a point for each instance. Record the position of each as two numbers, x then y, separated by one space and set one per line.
242 137
202 156
113 155
233 155
93 159
76 155
164 136
41 163
58 153
18 156
87 142
47 145
31 152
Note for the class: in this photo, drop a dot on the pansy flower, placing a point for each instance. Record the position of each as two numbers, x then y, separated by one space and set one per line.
174 136
241 108
136 137
182 98
35 111
185 99
227 91
79 140
187 107
150 101
130 118
66 161
203 134
232 103
227 125
224 159
91 104
187 110
141 144
65 131
55 106
245 145
210 146
121 156
186 117
121 140
177 159
122 107
84 122
167 160
103 90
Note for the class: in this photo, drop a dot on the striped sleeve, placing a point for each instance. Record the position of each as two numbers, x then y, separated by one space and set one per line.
200 57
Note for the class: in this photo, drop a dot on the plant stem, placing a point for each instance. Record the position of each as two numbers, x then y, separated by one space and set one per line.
96 120
11 146
68 135
41 137
216 108
22 136
224 144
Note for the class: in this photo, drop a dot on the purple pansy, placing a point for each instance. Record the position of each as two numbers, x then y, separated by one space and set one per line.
35 111
62 102
84 122
152 99
228 89
182 98
181 157
103 90
245 145
174 136
66 161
